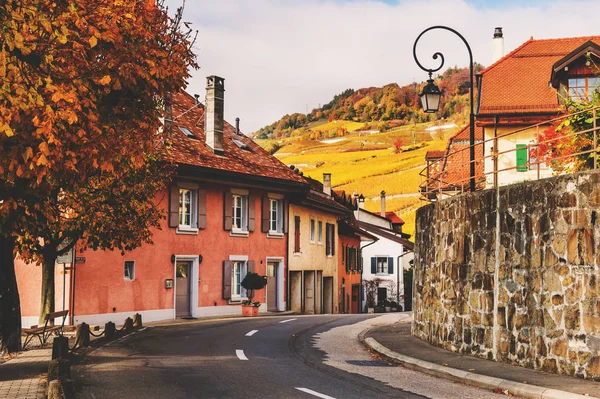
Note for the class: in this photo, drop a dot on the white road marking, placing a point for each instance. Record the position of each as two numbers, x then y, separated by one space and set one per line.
240 354
317 394
251 333
285 321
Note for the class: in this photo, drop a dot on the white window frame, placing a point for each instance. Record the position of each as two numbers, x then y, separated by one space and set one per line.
241 202
193 209
241 294
313 226
129 276
377 264
276 222
320 232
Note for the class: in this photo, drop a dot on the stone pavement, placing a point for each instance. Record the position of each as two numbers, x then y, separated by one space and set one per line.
21 377
397 339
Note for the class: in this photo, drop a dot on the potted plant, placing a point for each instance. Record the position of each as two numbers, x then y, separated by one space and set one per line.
252 282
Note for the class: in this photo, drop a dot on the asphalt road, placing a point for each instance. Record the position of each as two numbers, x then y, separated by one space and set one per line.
268 357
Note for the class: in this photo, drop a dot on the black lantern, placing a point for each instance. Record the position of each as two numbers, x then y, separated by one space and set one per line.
430 97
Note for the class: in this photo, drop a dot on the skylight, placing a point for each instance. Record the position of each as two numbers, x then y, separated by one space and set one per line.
186 132
241 144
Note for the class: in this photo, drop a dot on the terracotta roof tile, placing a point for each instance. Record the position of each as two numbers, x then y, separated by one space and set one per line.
434 154
394 218
194 151
518 82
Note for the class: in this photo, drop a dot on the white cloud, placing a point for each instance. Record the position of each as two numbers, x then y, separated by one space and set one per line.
280 56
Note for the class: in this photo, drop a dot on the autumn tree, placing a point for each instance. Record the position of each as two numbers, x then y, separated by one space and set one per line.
398 146
83 87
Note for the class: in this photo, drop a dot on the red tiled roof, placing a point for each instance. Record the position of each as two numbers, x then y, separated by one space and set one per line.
394 218
195 152
453 171
434 154
518 82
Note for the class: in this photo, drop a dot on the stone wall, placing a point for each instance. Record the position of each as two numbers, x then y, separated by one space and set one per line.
521 285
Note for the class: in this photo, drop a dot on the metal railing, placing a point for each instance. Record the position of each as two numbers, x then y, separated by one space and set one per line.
438 182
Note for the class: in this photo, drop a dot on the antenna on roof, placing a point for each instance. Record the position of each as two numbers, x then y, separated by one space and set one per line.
197 103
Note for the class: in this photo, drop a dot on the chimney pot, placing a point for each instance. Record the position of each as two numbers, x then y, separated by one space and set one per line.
382 203
327 183
237 126
213 126
497 45
197 97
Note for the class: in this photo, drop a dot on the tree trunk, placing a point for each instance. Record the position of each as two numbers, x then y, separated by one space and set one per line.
10 306
47 303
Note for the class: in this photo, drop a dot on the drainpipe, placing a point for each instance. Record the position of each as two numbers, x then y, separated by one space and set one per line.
361 276
398 275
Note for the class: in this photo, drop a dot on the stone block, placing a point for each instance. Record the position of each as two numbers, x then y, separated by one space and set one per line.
561 269
572 316
550 366
551 282
557 300
559 348
540 347
591 324
501 316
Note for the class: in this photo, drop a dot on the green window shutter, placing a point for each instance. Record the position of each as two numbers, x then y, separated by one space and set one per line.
522 158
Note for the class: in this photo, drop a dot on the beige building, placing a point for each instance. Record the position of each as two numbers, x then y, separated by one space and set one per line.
312 250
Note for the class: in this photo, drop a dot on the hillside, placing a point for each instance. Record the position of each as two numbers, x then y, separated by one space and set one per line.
374 109
367 163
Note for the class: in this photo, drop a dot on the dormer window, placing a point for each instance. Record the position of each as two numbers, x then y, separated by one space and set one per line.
581 88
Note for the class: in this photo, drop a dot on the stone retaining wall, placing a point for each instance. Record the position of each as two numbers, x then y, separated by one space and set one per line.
530 297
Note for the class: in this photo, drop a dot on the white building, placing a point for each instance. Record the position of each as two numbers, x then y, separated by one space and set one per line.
386 259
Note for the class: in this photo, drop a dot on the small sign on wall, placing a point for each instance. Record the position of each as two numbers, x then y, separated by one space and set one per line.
169 283
80 259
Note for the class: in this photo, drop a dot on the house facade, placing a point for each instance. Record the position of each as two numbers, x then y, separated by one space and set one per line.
313 251
385 258
227 215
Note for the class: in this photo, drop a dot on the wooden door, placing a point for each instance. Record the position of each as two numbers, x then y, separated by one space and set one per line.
355 297
272 286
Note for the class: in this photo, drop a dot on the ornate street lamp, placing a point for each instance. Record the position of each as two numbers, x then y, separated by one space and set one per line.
430 96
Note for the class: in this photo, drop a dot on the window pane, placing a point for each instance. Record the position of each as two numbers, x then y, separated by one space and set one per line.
572 82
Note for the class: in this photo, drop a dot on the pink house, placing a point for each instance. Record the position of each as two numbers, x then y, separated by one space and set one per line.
227 215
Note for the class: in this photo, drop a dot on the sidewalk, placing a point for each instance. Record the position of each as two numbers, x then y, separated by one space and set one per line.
395 341
21 377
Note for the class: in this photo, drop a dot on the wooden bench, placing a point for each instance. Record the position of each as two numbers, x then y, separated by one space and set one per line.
43 333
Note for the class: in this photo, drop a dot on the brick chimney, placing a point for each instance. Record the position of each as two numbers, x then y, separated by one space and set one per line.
382 203
497 45
327 183
213 114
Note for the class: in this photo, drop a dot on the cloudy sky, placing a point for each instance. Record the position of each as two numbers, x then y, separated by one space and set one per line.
285 56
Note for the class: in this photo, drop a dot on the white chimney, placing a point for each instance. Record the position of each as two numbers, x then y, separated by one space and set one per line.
382 203
327 183
497 45
213 126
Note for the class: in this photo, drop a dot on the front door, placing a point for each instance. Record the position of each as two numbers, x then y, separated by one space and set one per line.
182 288
355 295
381 295
272 286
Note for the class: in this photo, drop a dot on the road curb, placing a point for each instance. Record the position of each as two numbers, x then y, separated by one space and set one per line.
515 388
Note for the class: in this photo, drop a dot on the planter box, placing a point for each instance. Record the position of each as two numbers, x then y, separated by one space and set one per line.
249 310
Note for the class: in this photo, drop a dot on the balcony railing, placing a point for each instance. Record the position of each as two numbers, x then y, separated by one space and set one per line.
496 165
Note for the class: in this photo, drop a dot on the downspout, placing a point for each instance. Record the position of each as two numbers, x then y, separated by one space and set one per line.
72 288
398 275
361 275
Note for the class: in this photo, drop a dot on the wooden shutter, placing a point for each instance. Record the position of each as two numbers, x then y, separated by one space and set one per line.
251 266
522 158
344 254
373 265
265 217
227 210
173 206
296 233
390 265
286 216
201 209
251 212
227 270
333 240
327 240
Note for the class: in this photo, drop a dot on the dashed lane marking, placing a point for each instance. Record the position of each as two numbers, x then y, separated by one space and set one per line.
240 354
251 333
315 393
285 321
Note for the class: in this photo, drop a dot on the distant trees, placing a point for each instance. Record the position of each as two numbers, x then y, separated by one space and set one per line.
392 104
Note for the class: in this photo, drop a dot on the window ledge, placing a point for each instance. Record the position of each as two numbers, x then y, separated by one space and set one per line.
382 274
297 253
274 234
128 279
238 233
186 230
237 300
